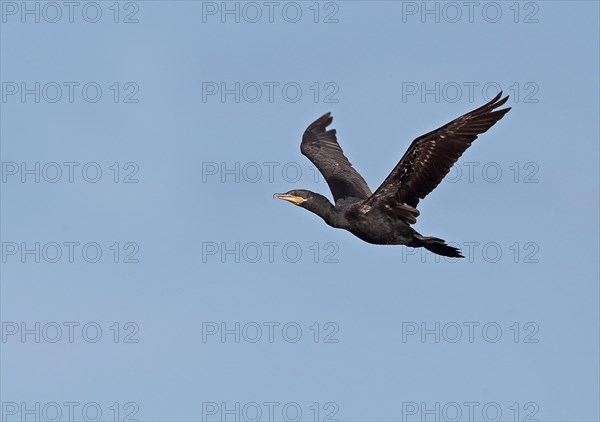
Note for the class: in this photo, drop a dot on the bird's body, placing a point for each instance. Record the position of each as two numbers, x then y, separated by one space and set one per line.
372 225
385 216
379 228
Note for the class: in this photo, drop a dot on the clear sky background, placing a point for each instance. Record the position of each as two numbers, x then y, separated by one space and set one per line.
211 300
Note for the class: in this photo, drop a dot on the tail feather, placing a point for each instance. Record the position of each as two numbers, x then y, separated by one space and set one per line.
436 245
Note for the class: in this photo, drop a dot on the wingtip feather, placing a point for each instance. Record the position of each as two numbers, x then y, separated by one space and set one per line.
323 121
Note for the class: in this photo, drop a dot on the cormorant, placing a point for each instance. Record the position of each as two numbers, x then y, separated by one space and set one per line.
385 217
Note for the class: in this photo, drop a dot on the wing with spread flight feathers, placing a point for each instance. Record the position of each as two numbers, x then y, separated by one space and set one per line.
321 147
430 157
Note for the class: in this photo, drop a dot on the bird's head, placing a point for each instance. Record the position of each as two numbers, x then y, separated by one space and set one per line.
298 197
314 203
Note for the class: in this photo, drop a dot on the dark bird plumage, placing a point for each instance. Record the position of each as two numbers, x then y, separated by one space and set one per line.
385 216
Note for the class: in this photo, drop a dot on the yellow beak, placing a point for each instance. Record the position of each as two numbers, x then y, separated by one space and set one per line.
296 200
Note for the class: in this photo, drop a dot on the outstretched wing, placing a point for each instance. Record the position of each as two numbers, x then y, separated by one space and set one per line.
321 147
430 157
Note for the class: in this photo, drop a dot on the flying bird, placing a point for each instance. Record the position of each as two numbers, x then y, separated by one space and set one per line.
385 217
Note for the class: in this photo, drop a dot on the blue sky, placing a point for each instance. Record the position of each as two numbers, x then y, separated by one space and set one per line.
148 273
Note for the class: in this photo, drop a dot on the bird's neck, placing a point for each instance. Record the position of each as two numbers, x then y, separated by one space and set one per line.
325 209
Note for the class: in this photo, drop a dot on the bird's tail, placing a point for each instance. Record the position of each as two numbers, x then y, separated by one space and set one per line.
435 245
